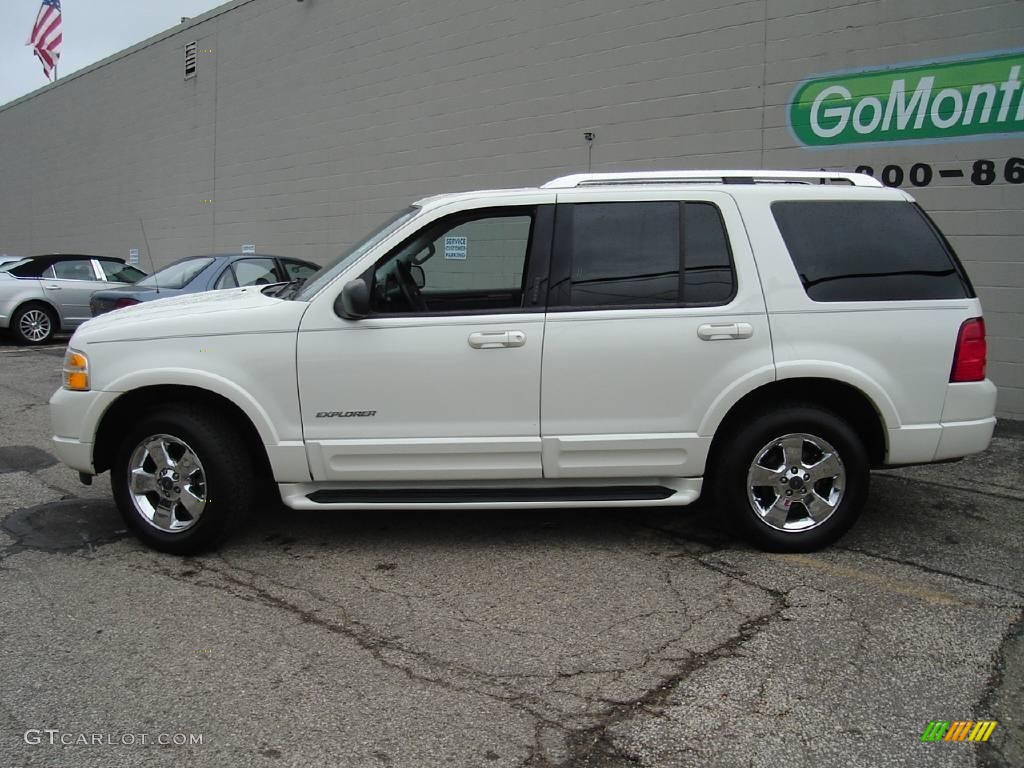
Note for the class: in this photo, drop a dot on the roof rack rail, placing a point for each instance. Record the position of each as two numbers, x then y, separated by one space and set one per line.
711 177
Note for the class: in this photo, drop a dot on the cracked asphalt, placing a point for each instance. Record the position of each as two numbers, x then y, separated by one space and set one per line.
552 638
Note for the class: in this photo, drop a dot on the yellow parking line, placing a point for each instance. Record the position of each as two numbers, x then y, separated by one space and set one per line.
895 586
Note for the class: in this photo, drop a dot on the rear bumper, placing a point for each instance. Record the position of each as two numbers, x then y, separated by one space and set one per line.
966 427
968 418
970 401
962 438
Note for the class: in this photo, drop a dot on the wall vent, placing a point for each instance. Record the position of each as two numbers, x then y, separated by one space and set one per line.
190 59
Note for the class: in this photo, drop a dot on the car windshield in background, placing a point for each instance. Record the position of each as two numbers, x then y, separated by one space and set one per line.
333 268
178 275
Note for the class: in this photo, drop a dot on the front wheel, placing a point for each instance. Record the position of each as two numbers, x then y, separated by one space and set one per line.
183 479
794 479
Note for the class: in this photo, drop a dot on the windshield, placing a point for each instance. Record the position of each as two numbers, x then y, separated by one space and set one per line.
333 268
178 275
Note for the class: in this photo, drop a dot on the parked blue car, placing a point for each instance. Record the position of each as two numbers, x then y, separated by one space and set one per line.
204 273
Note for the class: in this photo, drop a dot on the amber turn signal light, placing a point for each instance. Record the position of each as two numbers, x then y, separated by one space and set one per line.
76 371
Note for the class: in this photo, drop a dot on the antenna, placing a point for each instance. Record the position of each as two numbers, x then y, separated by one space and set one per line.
149 253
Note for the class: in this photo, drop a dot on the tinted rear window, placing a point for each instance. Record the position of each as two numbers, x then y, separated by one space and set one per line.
868 251
709 277
641 254
625 253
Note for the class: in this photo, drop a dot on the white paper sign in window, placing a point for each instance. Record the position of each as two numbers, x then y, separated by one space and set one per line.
456 248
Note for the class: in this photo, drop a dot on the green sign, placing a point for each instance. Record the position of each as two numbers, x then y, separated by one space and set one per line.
928 102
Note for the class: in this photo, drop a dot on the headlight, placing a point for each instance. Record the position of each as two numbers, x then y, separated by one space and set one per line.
76 370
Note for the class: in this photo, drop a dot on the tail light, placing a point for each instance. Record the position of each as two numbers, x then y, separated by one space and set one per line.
121 303
971 349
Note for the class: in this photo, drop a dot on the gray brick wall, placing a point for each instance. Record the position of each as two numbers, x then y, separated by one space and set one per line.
309 122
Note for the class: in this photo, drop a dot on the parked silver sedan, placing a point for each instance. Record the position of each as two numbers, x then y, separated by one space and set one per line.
43 295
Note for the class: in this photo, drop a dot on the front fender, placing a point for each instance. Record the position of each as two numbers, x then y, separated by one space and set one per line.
190 377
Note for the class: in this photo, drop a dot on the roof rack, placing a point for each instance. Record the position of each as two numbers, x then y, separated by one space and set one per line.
711 177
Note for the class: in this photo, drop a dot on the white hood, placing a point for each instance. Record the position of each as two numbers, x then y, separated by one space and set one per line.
235 310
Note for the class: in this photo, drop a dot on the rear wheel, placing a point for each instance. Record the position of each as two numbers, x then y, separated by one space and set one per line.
183 479
34 324
794 479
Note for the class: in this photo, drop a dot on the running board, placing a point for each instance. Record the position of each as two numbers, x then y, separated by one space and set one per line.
489 495
655 492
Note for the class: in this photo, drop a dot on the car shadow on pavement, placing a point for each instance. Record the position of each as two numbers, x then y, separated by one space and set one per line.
56 346
935 517
894 516
76 523
697 525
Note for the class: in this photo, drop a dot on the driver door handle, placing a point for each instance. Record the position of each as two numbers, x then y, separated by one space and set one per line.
496 339
722 331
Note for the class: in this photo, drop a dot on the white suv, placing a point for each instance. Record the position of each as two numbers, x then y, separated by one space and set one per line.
604 340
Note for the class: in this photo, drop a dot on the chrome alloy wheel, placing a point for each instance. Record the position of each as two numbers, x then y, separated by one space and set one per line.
796 482
167 483
35 325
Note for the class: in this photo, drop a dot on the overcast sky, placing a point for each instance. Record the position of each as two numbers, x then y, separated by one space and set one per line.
93 29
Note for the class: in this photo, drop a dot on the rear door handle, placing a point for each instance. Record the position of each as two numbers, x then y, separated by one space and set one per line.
52 287
723 331
496 339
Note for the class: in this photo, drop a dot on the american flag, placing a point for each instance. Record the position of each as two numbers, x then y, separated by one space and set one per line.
46 37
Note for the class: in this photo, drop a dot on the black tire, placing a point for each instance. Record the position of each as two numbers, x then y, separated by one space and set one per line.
228 471
737 455
25 313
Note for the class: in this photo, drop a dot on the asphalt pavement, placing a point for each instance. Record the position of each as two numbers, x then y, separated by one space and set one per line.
548 638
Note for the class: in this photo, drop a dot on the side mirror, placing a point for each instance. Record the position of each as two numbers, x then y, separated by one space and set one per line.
418 275
353 303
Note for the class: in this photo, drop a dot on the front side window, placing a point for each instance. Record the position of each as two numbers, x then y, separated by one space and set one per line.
248 272
641 254
118 272
855 250
73 269
469 262
298 270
